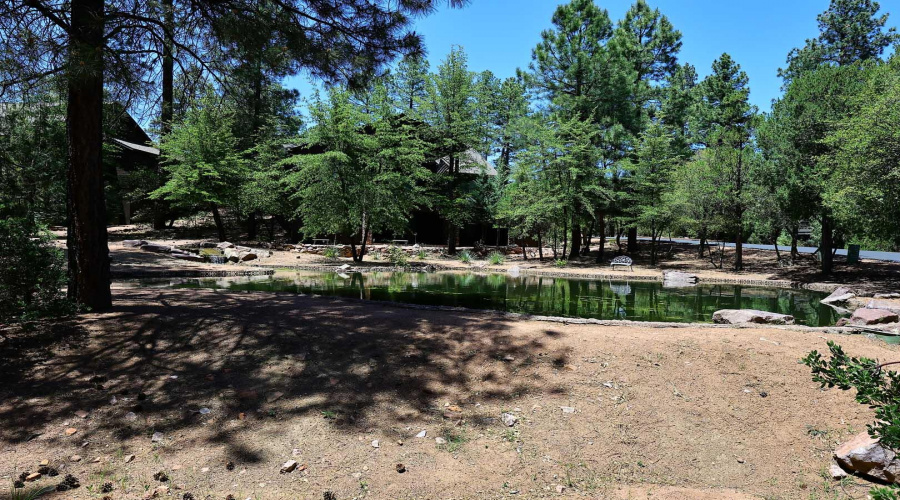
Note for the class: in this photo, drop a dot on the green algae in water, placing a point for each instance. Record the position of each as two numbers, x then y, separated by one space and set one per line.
538 295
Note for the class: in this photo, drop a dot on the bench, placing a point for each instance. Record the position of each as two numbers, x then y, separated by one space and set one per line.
400 242
622 260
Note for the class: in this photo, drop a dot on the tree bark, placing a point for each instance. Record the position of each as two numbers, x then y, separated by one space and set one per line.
575 252
166 113
601 223
540 248
220 226
86 239
632 240
827 244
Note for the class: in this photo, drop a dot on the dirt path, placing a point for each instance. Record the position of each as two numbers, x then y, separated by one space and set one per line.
655 413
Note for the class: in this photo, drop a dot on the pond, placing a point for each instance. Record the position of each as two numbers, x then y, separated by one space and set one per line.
538 295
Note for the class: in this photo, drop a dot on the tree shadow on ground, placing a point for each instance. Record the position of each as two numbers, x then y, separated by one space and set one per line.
165 354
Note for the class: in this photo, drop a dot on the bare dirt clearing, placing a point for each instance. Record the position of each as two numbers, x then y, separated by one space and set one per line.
259 379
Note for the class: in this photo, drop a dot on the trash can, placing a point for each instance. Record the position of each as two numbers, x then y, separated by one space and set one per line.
853 254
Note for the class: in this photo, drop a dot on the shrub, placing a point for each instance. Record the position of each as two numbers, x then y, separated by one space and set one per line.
560 263
421 255
877 388
330 253
496 258
465 257
397 256
32 273
377 255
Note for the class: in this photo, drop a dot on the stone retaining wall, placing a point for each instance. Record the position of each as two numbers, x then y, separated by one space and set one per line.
190 273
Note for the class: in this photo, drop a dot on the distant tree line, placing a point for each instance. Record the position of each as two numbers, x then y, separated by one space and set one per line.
604 133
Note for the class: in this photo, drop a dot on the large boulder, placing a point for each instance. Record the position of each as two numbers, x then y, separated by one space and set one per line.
156 248
245 256
866 456
232 254
868 316
676 279
887 305
224 245
740 316
840 296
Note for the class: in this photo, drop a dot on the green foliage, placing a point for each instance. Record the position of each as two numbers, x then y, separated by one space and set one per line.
366 179
331 253
877 388
397 257
465 257
29 493
496 258
560 263
32 273
421 255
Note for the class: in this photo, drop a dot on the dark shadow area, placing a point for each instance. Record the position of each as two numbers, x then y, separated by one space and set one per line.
163 355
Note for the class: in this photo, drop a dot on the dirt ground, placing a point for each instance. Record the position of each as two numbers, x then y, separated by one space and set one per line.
255 380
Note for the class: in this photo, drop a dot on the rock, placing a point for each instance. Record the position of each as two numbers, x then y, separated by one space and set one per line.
868 316
841 295
231 254
81 414
75 458
70 431
883 304
842 322
891 295
34 476
157 437
508 419
422 434
836 471
514 271
44 463
225 245
344 267
133 243
275 396
204 411
375 444
156 248
865 455
189 257
560 488
289 466
567 409
245 256
739 316
129 459
131 416
401 468
676 279
440 440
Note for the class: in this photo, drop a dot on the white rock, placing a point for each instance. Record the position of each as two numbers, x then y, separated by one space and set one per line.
375 444
839 296
422 434
567 409
205 411
508 419
739 316
157 437
440 440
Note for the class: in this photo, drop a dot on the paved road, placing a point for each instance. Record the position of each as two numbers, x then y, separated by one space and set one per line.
863 254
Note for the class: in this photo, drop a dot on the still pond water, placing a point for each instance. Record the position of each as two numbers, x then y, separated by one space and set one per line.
575 298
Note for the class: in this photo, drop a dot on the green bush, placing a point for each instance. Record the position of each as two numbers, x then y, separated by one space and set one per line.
560 263
465 257
397 257
876 388
496 258
32 273
330 253
421 255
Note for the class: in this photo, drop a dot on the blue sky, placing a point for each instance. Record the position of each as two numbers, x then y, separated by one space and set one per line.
499 34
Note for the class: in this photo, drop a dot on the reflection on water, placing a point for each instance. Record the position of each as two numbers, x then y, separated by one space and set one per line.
637 300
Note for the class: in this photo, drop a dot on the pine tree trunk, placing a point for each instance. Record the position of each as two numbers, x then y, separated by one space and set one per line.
220 226
794 251
87 239
827 244
540 248
632 240
160 207
576 239
601 222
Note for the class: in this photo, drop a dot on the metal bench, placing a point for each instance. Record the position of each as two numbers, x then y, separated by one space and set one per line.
400 242
622 260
